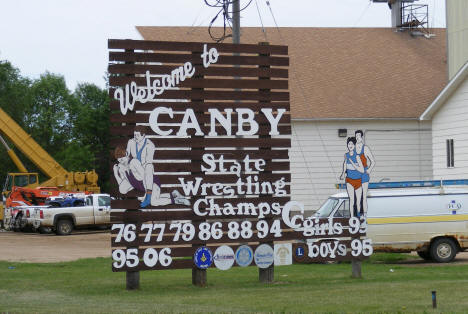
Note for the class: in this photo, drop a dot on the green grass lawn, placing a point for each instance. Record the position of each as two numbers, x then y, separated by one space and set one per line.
89 285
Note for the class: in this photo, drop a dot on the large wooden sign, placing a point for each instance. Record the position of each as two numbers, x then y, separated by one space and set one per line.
200 141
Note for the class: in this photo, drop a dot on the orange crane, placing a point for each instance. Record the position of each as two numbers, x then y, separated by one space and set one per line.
24 181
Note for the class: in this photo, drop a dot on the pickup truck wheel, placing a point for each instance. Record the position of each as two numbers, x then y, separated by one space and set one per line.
45 230
425 255
64 227
443 250
16 225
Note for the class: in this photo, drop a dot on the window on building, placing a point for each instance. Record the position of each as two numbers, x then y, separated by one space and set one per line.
450 154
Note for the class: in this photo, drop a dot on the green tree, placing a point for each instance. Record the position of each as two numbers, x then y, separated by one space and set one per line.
15 101
48 120
14 93
72 127
89 115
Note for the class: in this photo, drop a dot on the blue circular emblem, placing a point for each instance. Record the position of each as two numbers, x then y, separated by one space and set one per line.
203 257
244 255
300 251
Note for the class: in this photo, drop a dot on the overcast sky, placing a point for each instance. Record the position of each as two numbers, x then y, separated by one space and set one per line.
69 37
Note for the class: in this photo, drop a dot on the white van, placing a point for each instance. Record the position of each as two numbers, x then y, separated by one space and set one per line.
430 221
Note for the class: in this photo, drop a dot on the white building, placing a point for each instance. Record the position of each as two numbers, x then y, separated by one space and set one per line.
449 116
449 110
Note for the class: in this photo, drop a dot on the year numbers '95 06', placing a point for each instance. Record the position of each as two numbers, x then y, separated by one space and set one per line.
129 257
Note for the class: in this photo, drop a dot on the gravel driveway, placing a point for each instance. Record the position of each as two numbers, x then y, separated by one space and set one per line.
45 248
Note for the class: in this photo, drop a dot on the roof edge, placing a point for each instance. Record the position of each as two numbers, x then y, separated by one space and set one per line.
445 93
274 27
352 119
139 33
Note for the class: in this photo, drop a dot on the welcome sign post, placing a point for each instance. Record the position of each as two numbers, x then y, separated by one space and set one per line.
200 145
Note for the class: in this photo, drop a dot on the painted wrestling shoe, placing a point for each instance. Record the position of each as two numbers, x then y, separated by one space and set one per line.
146 201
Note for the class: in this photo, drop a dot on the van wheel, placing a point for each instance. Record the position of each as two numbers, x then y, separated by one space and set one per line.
64 227
425 255
443 250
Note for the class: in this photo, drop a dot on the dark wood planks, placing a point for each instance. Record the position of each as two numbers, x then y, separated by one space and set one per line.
218 71
206 83
213 142
194 46
186 95
132 117
127 130
256 78
203 106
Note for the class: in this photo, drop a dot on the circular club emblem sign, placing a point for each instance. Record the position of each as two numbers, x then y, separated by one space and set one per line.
223 257
264 256
300 252
203 257
244 255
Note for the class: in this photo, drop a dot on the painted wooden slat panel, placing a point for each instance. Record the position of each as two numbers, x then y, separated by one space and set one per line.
182 105
212 71
181 58
194 46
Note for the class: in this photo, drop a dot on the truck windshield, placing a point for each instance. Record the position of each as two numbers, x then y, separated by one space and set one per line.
21 180
326 208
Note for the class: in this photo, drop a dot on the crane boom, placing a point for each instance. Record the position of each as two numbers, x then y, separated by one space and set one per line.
13 156
16 184
28 146
58 176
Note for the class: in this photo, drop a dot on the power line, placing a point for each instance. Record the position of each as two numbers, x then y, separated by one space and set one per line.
195 20
226 13
299 82
261 21
363 13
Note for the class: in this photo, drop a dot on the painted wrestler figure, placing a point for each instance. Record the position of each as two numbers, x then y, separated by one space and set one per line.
135 170
141 150
368 162
353 168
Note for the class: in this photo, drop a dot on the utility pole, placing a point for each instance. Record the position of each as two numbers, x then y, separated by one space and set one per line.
236 21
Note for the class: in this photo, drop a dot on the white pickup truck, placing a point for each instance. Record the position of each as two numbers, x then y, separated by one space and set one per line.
63 220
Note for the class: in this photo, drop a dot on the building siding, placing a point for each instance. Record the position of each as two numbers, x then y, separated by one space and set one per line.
402 150
451 122
457 35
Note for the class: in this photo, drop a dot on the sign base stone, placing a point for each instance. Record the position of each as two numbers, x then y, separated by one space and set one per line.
199 277
133 280
356 269
266 275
